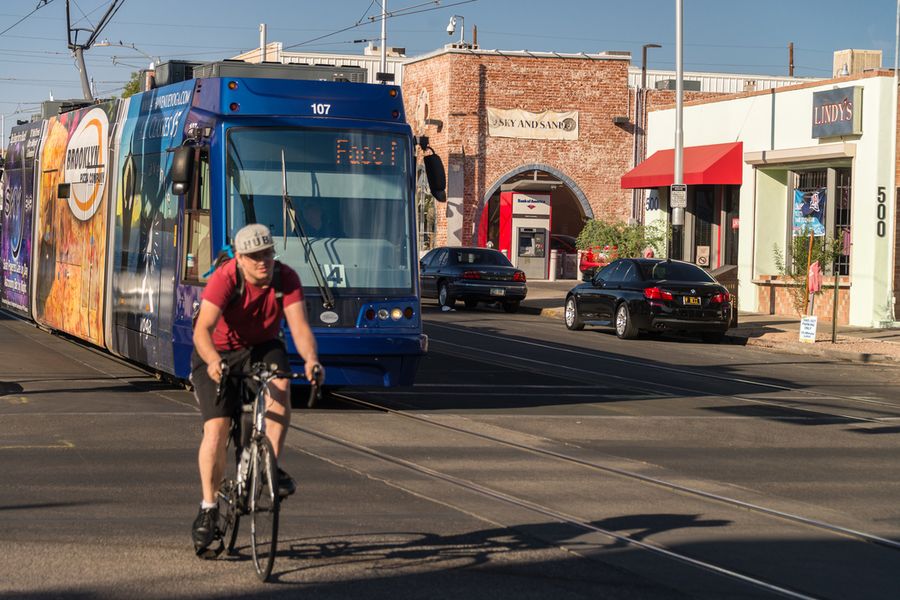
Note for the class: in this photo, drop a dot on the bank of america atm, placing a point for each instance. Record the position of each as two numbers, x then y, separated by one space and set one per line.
529 227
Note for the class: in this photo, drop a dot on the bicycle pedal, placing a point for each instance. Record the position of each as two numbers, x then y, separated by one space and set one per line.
212 551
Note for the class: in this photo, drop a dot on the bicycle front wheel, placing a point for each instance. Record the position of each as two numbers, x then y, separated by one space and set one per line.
229 503
264 507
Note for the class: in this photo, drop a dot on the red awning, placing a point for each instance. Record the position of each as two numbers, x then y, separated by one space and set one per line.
716 164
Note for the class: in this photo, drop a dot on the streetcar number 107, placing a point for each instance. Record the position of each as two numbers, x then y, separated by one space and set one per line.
320 109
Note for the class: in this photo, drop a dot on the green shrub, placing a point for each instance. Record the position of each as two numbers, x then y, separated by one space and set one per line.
795 269
631 240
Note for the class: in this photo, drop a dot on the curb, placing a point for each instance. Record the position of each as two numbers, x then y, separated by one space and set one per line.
760 342
811 349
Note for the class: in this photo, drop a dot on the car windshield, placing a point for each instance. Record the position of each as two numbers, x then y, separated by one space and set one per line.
351 193
478 257
675 271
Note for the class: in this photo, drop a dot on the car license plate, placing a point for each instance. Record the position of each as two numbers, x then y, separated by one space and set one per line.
692 300
498 292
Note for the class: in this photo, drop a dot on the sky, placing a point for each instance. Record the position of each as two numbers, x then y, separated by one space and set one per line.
719 35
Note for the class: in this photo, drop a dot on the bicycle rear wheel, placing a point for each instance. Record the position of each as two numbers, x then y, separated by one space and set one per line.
264 507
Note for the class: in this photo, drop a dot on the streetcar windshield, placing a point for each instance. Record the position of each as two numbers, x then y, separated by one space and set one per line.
351 191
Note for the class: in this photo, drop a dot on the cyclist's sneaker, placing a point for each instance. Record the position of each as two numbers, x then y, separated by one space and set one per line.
286 484
204 532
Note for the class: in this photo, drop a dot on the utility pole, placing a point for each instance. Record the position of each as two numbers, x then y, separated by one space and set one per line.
678 212
791 59
383 36
639 127
78 49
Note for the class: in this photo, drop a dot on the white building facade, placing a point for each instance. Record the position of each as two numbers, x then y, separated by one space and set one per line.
832 140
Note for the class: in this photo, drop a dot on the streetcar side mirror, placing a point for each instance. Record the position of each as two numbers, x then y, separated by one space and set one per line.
182 169
437 176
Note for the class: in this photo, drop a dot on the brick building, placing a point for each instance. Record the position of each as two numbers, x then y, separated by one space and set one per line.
450 95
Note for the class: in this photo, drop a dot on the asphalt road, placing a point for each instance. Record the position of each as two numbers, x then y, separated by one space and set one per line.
527 462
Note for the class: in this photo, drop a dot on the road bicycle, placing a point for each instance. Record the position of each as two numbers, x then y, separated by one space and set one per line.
250 485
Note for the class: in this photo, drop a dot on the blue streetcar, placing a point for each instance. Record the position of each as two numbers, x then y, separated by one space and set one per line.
113 215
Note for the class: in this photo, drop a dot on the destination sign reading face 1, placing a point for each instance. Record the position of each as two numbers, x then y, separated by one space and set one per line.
374 152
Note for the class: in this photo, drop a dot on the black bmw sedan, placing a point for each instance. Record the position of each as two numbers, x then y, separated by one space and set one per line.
472 275
634 295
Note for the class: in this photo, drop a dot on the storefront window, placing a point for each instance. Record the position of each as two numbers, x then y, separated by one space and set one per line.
731 225
842 219
705 216
821 205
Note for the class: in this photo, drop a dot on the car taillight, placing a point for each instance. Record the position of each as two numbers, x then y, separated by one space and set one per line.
654 293
471 275
726 297
519 276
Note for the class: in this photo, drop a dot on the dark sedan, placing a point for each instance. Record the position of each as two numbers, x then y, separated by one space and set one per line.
472 275
644 294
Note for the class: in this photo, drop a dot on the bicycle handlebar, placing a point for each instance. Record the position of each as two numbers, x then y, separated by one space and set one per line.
265 373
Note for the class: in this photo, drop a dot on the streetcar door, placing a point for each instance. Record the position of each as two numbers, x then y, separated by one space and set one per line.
195 258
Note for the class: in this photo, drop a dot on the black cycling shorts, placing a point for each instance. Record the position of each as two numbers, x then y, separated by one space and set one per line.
238 361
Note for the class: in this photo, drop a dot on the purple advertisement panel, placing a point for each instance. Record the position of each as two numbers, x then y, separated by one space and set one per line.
17 218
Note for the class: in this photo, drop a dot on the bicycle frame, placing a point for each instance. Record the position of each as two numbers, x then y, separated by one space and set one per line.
237 494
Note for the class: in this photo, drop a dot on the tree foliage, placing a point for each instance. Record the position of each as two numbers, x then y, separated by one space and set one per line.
133 86
795 268
630 240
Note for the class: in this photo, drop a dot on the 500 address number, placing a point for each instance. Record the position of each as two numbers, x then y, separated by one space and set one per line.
881 213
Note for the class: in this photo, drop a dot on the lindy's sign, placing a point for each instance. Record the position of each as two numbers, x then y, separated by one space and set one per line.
837 112
547 125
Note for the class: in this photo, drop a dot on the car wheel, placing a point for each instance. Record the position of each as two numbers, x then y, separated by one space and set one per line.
625 328
511 306
470 304
713 337
445 298
573 319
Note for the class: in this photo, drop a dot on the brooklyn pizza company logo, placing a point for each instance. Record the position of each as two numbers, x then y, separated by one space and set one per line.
86 164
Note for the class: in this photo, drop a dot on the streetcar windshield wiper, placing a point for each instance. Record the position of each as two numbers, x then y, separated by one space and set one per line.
288 209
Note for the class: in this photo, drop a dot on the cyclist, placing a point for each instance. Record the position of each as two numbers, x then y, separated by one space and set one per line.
239 324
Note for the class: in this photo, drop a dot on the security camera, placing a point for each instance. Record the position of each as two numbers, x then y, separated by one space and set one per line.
451 27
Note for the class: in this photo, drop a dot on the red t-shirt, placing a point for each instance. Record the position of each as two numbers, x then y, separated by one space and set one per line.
255 317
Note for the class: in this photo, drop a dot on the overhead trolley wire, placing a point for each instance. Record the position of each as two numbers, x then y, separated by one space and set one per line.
41 4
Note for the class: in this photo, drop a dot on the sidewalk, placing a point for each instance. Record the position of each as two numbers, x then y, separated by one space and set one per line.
777 332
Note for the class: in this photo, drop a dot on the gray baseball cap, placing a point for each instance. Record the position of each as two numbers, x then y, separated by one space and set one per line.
253 238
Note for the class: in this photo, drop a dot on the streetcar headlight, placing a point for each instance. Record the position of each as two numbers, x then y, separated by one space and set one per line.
383 314
396 314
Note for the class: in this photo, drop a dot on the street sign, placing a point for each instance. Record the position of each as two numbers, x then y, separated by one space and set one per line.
678 195
808 329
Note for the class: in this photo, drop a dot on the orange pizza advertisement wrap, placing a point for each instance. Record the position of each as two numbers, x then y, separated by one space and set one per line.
71 222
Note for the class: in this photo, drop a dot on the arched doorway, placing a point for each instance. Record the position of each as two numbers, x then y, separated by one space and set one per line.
569 204
569 208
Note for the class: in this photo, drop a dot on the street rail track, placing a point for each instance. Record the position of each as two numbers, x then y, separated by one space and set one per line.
559 516
672 486
641 385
